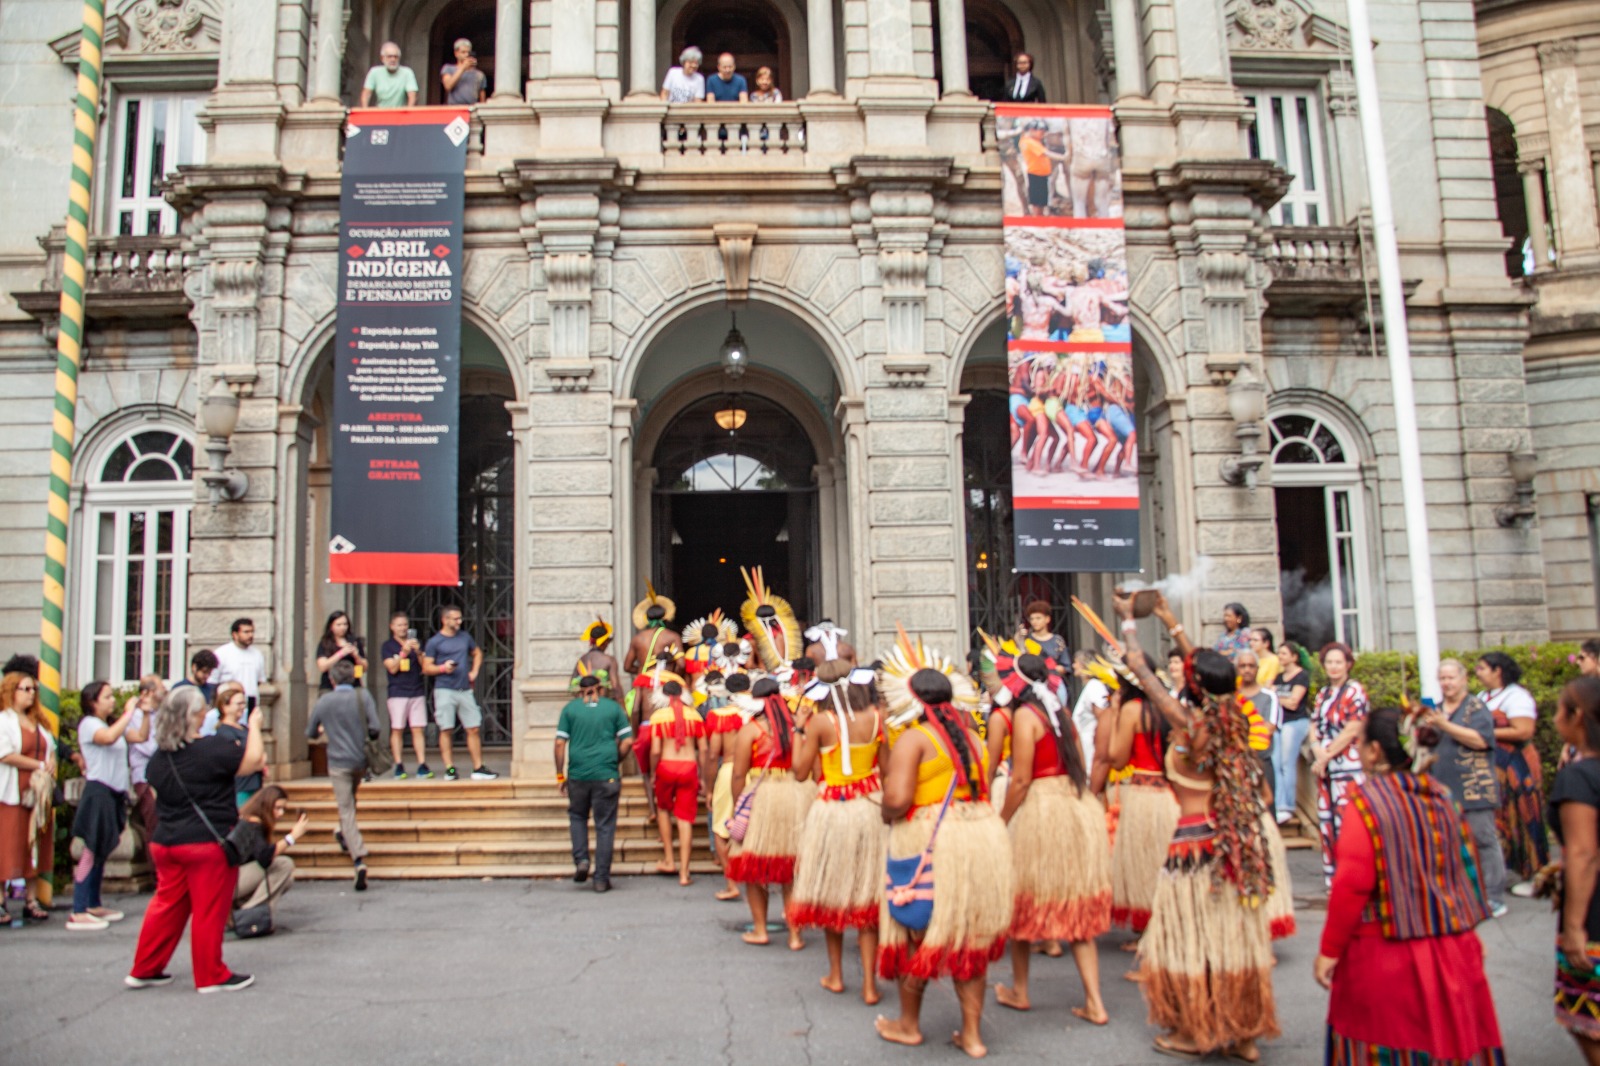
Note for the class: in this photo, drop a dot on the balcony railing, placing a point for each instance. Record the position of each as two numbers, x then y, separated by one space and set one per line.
1317 269
733 129
125 277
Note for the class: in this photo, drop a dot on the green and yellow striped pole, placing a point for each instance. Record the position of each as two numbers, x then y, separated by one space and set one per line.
69 353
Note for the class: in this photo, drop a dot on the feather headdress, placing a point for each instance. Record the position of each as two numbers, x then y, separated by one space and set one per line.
770 621
727 629
652 598
905 659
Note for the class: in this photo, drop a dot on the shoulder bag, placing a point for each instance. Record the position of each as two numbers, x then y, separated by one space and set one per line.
252 922
230 845
908 882
739 821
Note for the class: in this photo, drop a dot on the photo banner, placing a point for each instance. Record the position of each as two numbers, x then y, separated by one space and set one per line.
1074 444
397 353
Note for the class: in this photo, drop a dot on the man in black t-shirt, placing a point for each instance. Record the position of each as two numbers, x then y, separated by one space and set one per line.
408 694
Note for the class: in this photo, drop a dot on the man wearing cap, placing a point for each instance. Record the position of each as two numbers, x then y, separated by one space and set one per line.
592 737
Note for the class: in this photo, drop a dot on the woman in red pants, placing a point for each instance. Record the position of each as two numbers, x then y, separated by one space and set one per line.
193 778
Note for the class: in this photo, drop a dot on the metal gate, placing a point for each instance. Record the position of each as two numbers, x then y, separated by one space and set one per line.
487 545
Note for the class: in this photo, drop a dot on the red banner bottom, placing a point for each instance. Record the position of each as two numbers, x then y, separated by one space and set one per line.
394 568
1075 503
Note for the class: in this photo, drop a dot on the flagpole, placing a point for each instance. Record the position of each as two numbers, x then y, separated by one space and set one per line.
69 354
1397 341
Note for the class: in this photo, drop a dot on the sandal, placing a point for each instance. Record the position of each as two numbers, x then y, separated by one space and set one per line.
35 913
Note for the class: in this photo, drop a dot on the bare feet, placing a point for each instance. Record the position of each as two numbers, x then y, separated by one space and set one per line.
796 942
1008 997
833 984
727 895
896 1032
755 936
666 868
1093 1017
974 1048
685 879
1131 946
869 995
1176 1047
1049 948
1133 975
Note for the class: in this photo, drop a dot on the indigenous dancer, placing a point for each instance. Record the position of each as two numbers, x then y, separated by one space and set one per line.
1398 950
646 689
597 661
1149 814
1206 956
678 765
770 621
762 760
702 638
839 875
1060 848
935 801
1574 815
651 640
723 725
825 642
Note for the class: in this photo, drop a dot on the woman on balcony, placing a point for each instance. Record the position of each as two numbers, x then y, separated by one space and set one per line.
684 83
766 90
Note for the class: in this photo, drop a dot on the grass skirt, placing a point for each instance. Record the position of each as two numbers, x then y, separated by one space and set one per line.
1206 957
1144 829
767 854
722 799
1279 905
972 896
838 879
1061 863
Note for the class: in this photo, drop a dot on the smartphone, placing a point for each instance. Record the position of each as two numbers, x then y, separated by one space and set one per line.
411 634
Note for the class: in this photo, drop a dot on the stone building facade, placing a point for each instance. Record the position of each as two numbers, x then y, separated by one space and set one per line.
852 237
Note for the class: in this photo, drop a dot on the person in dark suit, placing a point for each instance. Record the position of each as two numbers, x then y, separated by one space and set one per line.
1023 87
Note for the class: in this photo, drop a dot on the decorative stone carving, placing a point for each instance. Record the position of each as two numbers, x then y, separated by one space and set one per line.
735 241
1562 53
168 25
570 277
235 285
1267 23
569 375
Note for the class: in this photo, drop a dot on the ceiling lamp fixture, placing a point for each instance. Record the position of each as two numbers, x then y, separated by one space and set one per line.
735 353
731 417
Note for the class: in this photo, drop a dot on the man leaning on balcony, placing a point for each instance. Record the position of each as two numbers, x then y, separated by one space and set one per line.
389 85
727 86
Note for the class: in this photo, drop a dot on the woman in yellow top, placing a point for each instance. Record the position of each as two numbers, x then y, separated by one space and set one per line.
939 756
838 878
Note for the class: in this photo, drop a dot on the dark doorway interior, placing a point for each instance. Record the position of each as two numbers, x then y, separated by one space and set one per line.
487 544
755 33
727 530
1305 576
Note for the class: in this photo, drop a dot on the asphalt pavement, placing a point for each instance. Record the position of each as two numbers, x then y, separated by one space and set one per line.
548 972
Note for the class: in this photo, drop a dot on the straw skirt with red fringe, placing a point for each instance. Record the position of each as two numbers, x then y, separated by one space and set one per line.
1206 957
1145 826
1061 863
972 895
838 879
767 854
1279 905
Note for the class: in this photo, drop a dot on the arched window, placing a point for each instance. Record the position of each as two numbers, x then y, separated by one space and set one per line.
135 555
1509 196
1322 535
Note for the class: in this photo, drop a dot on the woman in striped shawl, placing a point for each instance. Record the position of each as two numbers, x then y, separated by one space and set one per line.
1398 951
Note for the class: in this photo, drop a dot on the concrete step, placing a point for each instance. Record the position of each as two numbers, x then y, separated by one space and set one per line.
320 831
381 808
706 872
478 853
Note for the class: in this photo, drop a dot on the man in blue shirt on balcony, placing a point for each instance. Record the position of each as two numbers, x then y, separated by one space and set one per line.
726 86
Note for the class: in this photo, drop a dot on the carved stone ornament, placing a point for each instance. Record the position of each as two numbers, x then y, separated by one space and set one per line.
734 242
1268 24
168 25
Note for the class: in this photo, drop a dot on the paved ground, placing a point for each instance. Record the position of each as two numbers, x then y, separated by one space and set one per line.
469 972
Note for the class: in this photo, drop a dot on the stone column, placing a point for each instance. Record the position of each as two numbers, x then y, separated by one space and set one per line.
953 46
572 37
1126 49
329 69
249 43
1202 41
819 36
642 79
1571 170
1532 171
507 47
889 38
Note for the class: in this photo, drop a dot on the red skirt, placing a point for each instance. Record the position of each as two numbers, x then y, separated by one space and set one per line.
1427 996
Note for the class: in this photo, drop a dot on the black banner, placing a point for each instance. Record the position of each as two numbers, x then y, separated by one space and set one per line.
397 355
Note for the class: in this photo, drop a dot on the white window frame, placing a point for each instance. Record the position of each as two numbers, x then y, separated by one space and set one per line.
120 501
1336 480
179 110
1299 203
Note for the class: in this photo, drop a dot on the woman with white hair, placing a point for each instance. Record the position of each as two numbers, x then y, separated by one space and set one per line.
684 83
195 809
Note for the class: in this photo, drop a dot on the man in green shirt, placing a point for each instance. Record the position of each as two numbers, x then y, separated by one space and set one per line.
592 737
389 85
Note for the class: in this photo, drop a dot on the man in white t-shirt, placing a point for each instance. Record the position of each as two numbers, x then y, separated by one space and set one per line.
1095 695
239 660
684 83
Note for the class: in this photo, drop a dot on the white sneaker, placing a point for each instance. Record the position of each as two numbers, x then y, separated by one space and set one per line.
1523 890
1284 817
106 914
84 923
1498 910
483 773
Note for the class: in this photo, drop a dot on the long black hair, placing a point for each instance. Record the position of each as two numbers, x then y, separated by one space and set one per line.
1510 672
776 711
328 645
91 692
1581 696
1383 729
1033 668
932 687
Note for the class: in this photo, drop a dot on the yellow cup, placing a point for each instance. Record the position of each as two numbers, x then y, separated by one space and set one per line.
405 663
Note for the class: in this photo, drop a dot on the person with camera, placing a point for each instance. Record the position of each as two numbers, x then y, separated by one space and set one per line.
1461 733
195 880
463 82
348 717
266 871
103 809
407 694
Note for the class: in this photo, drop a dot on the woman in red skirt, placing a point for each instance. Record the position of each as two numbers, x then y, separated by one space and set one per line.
1398 950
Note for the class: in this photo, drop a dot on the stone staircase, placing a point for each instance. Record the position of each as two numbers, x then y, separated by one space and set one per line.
424 830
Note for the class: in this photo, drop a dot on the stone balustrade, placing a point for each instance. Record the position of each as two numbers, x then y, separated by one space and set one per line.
1317 253
733 129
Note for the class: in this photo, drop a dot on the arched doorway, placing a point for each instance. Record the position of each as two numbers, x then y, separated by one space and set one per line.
735 487
1323 569
755 32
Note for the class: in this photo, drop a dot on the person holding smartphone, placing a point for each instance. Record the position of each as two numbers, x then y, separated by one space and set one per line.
408 695
462 80
452 658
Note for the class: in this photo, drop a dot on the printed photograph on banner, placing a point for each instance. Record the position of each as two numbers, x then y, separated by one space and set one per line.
1067 285
1059 166
1072 425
